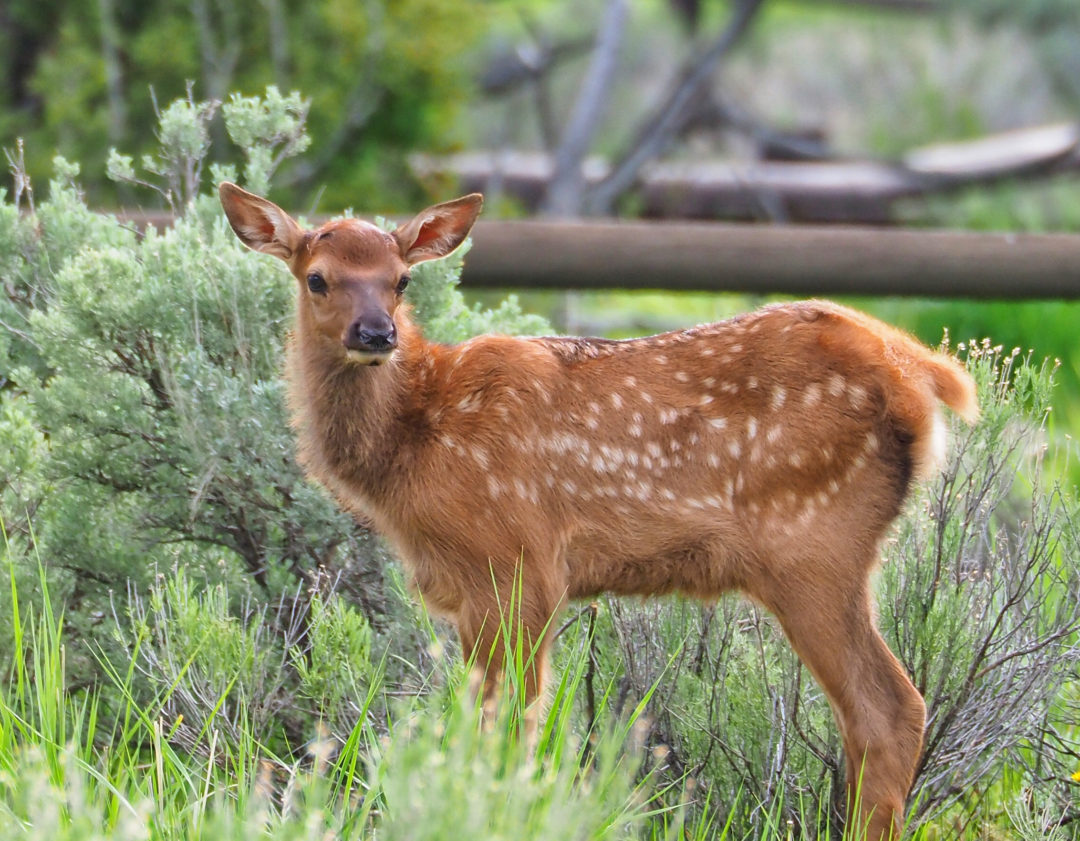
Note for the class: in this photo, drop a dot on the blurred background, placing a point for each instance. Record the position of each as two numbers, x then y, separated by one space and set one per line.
960 114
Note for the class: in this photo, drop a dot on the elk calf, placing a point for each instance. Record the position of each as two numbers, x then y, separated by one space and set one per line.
766 454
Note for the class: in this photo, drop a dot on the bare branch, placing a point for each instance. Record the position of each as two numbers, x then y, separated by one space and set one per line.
659 129
566 188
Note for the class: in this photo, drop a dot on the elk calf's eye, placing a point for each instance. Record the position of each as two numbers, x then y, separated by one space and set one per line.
316 283
402 283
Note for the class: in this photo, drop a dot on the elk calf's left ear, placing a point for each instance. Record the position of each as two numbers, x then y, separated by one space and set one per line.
437 231
260 224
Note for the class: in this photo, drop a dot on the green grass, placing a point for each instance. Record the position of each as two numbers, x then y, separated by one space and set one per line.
433 770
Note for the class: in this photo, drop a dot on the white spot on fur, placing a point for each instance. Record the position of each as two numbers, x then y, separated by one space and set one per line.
836 385
734 447
751 382
714 461
779 395
751 428
812 395
774 434
719 423
682 376
857 395
616 401
495 487
469 403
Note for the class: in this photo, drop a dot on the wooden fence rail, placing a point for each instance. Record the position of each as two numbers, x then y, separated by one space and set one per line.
757 258
801 260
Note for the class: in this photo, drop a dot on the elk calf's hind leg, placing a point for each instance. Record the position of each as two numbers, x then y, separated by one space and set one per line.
880 714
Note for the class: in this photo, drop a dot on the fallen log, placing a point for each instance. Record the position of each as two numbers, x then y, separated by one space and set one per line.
857 192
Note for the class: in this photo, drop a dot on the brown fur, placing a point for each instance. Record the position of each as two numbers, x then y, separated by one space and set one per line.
767 454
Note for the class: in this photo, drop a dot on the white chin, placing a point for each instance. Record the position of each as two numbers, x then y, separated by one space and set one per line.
362 357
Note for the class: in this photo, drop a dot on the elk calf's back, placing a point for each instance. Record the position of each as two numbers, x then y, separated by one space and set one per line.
767 454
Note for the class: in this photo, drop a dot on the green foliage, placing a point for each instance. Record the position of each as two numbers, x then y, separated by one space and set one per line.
269 130
337 665
385 78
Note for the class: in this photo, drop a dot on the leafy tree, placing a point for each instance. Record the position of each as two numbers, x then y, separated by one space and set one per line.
384 78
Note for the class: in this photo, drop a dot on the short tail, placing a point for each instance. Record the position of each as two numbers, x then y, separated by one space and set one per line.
954 387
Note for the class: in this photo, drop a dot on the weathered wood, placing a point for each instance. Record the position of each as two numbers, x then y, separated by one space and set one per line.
850 191
772 259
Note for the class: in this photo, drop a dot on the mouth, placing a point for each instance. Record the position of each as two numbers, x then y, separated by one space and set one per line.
369 357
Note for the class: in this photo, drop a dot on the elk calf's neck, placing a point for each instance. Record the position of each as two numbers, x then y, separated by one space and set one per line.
767 454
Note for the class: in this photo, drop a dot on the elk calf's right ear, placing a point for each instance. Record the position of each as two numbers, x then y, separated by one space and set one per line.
260 224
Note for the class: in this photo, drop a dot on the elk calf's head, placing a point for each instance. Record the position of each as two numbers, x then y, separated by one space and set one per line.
351 273
767 454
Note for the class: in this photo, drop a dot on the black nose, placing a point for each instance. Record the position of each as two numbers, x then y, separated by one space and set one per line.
379 336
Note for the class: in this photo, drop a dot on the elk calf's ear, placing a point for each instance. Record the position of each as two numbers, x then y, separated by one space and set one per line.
437 231
260 224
